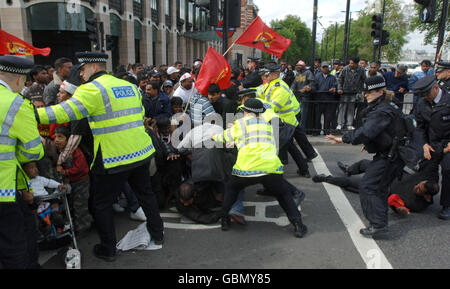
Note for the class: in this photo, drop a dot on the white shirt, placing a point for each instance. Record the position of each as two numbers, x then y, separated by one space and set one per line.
40 183
184 94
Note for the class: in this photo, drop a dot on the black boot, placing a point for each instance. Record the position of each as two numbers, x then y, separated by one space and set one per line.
344 168
298 197
371 231
226 223
300 230
445 214
319 178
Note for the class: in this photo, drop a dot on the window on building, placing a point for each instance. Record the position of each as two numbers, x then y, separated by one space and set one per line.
137 8
154 4
197 18
117 5
191 13
168 7
182 9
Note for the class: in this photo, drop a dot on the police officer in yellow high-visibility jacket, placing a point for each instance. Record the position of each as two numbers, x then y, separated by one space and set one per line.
122 148
20 143
285 104
257 162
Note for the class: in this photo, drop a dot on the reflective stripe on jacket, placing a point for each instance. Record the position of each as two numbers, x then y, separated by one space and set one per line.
115 113
19 143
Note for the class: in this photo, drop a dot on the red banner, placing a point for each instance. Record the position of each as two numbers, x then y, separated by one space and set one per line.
258 35
215 69
11 45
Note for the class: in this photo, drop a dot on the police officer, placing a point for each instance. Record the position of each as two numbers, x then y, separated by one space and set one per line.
443 75
122 148
257 162
285 104
376 135
20 143
253 79
433 120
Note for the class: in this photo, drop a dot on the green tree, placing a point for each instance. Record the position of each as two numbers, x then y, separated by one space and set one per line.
361 42
431 29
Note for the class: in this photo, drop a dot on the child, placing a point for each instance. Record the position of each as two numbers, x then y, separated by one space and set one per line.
76 172
39 184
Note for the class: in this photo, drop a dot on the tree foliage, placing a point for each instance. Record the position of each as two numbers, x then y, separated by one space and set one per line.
430 29
361 42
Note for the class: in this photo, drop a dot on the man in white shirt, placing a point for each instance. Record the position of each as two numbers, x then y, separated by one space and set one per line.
186 88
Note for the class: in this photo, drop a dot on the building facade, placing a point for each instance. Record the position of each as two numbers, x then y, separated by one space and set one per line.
152 32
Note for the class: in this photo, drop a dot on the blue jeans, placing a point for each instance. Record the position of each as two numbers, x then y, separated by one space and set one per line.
132 200
238 207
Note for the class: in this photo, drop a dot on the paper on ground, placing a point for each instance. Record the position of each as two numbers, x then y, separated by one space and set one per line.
138 239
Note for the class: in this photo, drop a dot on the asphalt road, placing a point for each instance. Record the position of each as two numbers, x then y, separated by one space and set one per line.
418 241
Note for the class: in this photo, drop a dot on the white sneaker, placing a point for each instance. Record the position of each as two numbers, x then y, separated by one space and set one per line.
138 216
350 127
117 208
338 127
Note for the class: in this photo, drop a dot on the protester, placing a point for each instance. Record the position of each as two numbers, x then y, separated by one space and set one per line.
62 66
326 89
186 90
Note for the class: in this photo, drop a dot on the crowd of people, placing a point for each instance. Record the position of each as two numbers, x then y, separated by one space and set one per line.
90 122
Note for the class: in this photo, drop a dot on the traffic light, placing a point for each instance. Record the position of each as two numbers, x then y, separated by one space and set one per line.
91 28
110 42
377 28
213 12
428 11
234 13
385 37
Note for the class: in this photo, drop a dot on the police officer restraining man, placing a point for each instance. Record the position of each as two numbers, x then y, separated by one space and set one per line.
377 136
433 121
20 143
257 162
122 148
443 75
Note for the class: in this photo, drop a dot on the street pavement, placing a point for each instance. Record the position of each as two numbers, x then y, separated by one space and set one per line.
333 218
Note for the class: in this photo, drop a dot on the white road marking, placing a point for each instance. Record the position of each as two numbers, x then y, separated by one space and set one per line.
367 248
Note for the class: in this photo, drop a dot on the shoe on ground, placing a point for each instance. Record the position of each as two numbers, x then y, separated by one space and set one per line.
226 223
445 214
300 230
371 231
159 242
138 216
338 127
238 219
350 127
298 197
304 175
100 252
315 155
344 168
319 178
117 208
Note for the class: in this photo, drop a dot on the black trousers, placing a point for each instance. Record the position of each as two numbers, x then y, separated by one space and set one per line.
274 183
374 189
445 192
18 236
108 187
328 110
302 140
296 155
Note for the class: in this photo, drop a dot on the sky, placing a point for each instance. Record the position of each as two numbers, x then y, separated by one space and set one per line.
330 11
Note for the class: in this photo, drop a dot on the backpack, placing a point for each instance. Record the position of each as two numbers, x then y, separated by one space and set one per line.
405 144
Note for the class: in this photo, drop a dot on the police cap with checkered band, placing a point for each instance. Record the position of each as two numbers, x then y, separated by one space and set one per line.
15 65
91 57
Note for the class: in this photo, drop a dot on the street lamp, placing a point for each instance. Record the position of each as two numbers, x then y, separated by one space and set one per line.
349 28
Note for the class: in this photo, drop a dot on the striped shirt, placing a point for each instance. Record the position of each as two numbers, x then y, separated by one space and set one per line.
200 108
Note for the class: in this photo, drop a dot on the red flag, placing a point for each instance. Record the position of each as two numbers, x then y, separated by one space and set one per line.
11 45
215 69
258 35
